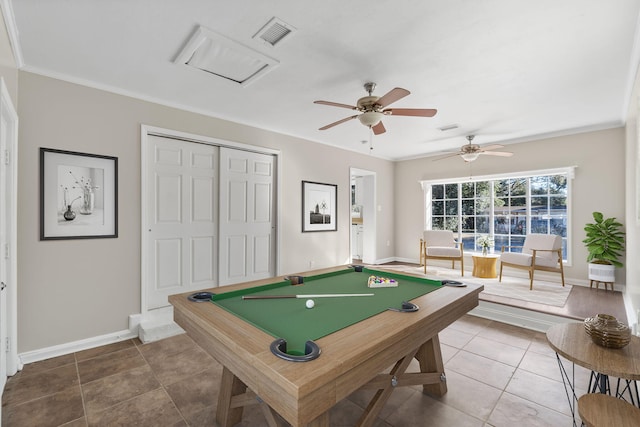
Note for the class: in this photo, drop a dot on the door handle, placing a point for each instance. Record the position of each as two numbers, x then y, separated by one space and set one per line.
2 286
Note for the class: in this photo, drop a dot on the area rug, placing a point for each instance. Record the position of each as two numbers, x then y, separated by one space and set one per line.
544 292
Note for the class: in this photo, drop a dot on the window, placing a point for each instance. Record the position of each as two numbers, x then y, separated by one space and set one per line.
506 207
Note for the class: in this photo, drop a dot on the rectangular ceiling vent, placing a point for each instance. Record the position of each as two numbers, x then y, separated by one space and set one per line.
274 31
448 127
220 56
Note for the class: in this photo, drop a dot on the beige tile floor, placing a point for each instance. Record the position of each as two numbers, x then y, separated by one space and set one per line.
497 375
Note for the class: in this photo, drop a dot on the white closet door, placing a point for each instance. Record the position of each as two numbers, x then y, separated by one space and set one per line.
247 220
181 206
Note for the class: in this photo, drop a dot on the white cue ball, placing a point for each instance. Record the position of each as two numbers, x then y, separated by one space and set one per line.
310 303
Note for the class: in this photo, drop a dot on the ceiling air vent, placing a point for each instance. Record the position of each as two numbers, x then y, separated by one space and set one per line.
220 56
448 127
274 31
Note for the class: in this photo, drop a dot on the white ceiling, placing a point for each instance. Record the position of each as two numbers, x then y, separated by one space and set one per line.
505 70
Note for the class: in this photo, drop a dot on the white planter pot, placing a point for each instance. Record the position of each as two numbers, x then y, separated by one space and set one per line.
602 272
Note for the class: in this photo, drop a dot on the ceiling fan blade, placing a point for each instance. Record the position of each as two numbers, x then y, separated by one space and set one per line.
497 153
330 125
413 112
378 129
492 147
336 104
392 96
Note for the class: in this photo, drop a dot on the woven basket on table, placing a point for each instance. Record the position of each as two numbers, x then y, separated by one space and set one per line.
607 331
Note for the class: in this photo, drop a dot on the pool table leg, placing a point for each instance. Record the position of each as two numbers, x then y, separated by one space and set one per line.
321 421
382 395
234 395
430 358
230 386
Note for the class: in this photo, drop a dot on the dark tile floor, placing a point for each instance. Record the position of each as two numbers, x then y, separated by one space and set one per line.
497 375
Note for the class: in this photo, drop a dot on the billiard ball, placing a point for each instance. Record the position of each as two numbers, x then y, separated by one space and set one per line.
310 303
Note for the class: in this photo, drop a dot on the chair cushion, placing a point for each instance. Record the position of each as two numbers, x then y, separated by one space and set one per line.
445 251
546 262
543 241
544 258
516 258
439 238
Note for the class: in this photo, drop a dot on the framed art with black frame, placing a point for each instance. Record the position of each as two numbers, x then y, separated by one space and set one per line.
319 206
78 195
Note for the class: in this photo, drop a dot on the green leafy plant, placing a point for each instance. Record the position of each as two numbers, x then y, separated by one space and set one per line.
605 240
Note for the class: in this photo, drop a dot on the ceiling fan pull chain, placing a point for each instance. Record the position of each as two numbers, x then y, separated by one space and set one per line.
370 140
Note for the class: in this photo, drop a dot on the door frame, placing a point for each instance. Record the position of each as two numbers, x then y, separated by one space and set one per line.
369 215
7 108
145 131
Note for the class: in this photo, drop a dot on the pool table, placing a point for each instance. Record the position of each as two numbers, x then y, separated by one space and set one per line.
358 338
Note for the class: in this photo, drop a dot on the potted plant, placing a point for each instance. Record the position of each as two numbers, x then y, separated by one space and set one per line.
605 243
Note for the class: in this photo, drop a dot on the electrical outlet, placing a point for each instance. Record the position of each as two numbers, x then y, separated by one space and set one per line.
311 264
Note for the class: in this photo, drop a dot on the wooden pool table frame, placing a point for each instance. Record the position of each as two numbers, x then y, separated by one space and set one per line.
352 358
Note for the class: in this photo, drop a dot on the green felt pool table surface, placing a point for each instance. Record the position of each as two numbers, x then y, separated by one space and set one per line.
290 319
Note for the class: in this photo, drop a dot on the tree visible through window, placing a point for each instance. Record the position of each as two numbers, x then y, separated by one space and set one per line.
506 209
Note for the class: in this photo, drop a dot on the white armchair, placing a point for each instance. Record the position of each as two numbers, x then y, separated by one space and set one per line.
539 252
440 244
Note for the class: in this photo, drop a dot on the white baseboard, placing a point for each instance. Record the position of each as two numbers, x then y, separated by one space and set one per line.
384 260
150 326
72 347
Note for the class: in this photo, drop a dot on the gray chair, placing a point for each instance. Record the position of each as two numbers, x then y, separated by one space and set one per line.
441 245
539 252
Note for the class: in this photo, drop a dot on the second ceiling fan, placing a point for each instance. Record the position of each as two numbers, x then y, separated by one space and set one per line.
470 152
372 109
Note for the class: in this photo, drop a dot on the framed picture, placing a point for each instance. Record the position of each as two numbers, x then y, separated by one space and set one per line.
319 207
78 195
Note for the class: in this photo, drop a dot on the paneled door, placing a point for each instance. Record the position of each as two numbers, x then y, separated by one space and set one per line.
247 216
182 190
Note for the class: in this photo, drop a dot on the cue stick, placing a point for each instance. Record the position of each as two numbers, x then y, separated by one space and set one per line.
305 296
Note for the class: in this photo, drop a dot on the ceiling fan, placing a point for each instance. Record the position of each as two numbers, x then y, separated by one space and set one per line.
372 109
471 152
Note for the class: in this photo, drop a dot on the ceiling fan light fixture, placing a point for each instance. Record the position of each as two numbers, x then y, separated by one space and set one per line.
469 157
370 118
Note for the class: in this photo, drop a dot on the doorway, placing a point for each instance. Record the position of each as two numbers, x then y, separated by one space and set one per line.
363 216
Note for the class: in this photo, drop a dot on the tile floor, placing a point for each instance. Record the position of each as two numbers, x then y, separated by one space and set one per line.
497 375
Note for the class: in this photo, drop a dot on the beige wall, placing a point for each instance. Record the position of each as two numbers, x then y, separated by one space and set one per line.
76 289
599 184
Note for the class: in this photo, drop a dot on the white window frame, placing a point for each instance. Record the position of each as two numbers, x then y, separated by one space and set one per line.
569 171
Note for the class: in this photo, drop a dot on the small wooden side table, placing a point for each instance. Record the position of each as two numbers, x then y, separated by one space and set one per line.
484 266
601 410
570 341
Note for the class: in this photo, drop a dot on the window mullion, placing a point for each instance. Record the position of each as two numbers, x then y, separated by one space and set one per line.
492 204
460 211
528 209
